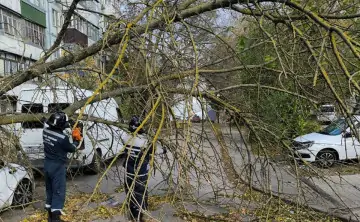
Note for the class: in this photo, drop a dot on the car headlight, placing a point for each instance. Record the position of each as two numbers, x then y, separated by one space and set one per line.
301 145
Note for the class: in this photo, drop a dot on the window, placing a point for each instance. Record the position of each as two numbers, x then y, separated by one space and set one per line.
9 23
55 18
7 68
21 66
53 107
13 67
39 3
85 27
61 19
57 54
327 109
32 108
35 33
10 64
93 32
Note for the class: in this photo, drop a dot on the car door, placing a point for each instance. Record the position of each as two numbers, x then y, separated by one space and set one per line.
30 132
356 140
104 134
352 144
99 135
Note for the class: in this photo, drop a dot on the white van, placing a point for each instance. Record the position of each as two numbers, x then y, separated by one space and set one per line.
326 113
101 141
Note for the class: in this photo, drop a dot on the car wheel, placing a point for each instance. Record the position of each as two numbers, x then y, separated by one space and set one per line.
326 158
23 194
97 165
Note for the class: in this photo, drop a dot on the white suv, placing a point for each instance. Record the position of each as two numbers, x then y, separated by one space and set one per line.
333 143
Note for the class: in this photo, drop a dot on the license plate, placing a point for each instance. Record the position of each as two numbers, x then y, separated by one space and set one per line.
32 150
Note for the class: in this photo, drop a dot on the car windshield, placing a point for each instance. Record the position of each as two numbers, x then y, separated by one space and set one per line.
327 109
335 128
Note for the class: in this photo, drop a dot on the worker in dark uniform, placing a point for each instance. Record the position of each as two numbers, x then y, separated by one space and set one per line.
137 158
56 147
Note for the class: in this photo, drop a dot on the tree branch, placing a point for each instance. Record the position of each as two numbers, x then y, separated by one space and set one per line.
276 18
112 39
265 87
96 12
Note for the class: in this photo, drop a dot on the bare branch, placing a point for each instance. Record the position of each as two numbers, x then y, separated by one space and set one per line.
265 87
277 18
112 39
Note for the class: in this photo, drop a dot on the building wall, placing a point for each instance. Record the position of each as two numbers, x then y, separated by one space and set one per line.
86 22
91 17
47 17
110 7
18 47
17 32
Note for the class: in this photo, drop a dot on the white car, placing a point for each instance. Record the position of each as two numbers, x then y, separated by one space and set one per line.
16 186
335 142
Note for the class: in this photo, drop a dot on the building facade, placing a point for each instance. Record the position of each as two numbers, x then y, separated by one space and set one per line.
29 27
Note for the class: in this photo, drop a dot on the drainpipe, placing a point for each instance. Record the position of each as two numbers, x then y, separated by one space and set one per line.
48 15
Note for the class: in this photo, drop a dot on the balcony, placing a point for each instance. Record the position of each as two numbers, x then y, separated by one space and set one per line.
74 36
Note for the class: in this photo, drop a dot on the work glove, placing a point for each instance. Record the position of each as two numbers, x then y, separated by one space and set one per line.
76 134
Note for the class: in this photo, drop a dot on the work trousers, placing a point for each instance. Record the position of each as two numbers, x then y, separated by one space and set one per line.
136 178
55 183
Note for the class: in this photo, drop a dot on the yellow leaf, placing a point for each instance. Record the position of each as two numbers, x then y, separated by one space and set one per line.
243 211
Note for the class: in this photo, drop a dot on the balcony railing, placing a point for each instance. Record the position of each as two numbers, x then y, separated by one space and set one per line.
24 30
73 35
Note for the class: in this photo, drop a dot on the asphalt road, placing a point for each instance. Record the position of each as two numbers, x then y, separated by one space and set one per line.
82 182
201 183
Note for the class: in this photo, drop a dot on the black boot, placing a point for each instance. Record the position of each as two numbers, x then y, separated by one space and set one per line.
56 216
49 216
134 214
142 218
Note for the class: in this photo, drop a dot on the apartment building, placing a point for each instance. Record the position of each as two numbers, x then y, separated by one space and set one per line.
29 27
84 29
22 35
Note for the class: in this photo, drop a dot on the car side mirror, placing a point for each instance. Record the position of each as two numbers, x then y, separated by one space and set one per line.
347 134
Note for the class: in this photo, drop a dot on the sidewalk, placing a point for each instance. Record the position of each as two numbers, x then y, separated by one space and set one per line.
346 189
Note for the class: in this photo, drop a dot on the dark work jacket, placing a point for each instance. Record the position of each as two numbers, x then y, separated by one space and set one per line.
57 145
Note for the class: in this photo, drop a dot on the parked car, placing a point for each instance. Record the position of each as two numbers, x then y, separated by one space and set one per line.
16 186
333 143
326 113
